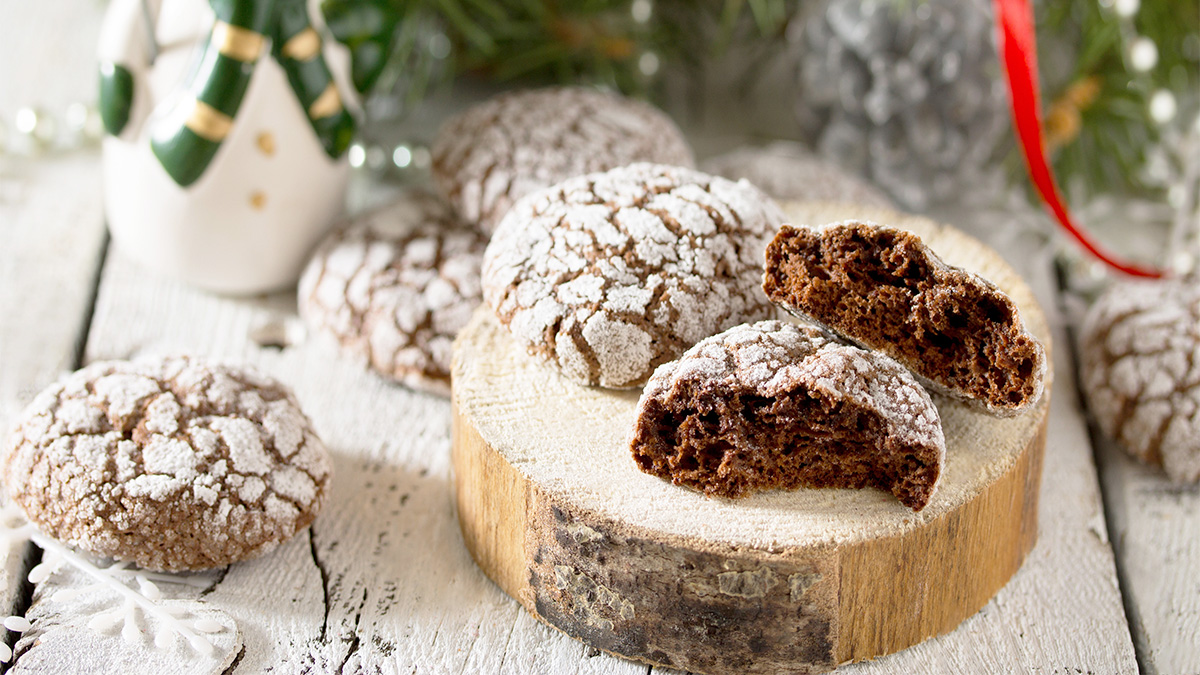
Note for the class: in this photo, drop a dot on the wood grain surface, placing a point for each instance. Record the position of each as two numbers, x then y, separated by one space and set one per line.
53 237
383 583
554 509
51 225
1155 530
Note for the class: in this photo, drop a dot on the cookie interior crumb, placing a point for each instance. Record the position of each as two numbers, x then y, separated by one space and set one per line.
774 405
881 287
731 447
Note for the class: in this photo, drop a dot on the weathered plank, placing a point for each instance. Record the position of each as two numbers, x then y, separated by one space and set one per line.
53 237
1155 526
383 581
50 221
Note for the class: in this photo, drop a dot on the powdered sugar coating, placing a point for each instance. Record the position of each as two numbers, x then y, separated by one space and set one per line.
1140 365
771 358
394 287
170 463
788 171
609 275
491 155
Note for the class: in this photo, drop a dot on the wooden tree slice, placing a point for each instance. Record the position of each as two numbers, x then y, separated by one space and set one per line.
554 510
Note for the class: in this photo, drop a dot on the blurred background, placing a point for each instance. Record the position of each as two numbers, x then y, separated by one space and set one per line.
908 94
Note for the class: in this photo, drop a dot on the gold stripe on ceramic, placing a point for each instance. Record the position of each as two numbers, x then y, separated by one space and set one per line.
304 46
208 123
329 103
241 44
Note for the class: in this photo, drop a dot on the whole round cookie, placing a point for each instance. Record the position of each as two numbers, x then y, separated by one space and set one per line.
1140 363
609 275
789 171
394 286
170 463
494 153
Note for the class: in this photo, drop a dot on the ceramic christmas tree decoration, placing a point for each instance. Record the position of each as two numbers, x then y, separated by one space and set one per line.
225 160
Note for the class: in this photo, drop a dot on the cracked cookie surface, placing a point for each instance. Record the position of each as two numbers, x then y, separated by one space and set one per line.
779 405
1140 363
171 463
609 275
494 153
395 286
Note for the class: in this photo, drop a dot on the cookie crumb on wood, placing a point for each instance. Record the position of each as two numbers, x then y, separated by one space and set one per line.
779 405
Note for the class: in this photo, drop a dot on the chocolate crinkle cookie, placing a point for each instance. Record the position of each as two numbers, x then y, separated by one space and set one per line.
170 463
1140 363
779 405
788 171
491 155
395 286
884 289
609 275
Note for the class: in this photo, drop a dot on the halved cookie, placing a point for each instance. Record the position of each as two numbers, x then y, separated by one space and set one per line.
884 289
779 405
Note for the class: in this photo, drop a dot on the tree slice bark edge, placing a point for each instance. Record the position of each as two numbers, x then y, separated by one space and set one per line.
721 609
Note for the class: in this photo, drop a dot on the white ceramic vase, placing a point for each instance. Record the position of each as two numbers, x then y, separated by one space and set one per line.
247 224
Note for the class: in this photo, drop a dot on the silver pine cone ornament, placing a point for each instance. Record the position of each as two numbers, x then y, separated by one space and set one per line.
907 93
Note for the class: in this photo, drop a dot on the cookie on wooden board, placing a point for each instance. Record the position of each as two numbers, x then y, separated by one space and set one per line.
778 405
394 286
494 153
171 463
1140 366
883 288
609 275
787 170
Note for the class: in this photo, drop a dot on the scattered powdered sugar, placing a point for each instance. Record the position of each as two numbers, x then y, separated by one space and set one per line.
1140 365
609 275
787 170
491 155
171 463
773 358
395 286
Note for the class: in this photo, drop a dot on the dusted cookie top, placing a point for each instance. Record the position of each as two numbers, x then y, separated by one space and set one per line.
779 405
788 171
394 287
609 275
172 463
491 155
883 288
1140 364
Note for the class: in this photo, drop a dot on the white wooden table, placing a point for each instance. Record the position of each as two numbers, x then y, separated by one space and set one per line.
382 582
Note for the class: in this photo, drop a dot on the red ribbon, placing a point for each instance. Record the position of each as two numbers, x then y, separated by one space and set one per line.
1018 51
